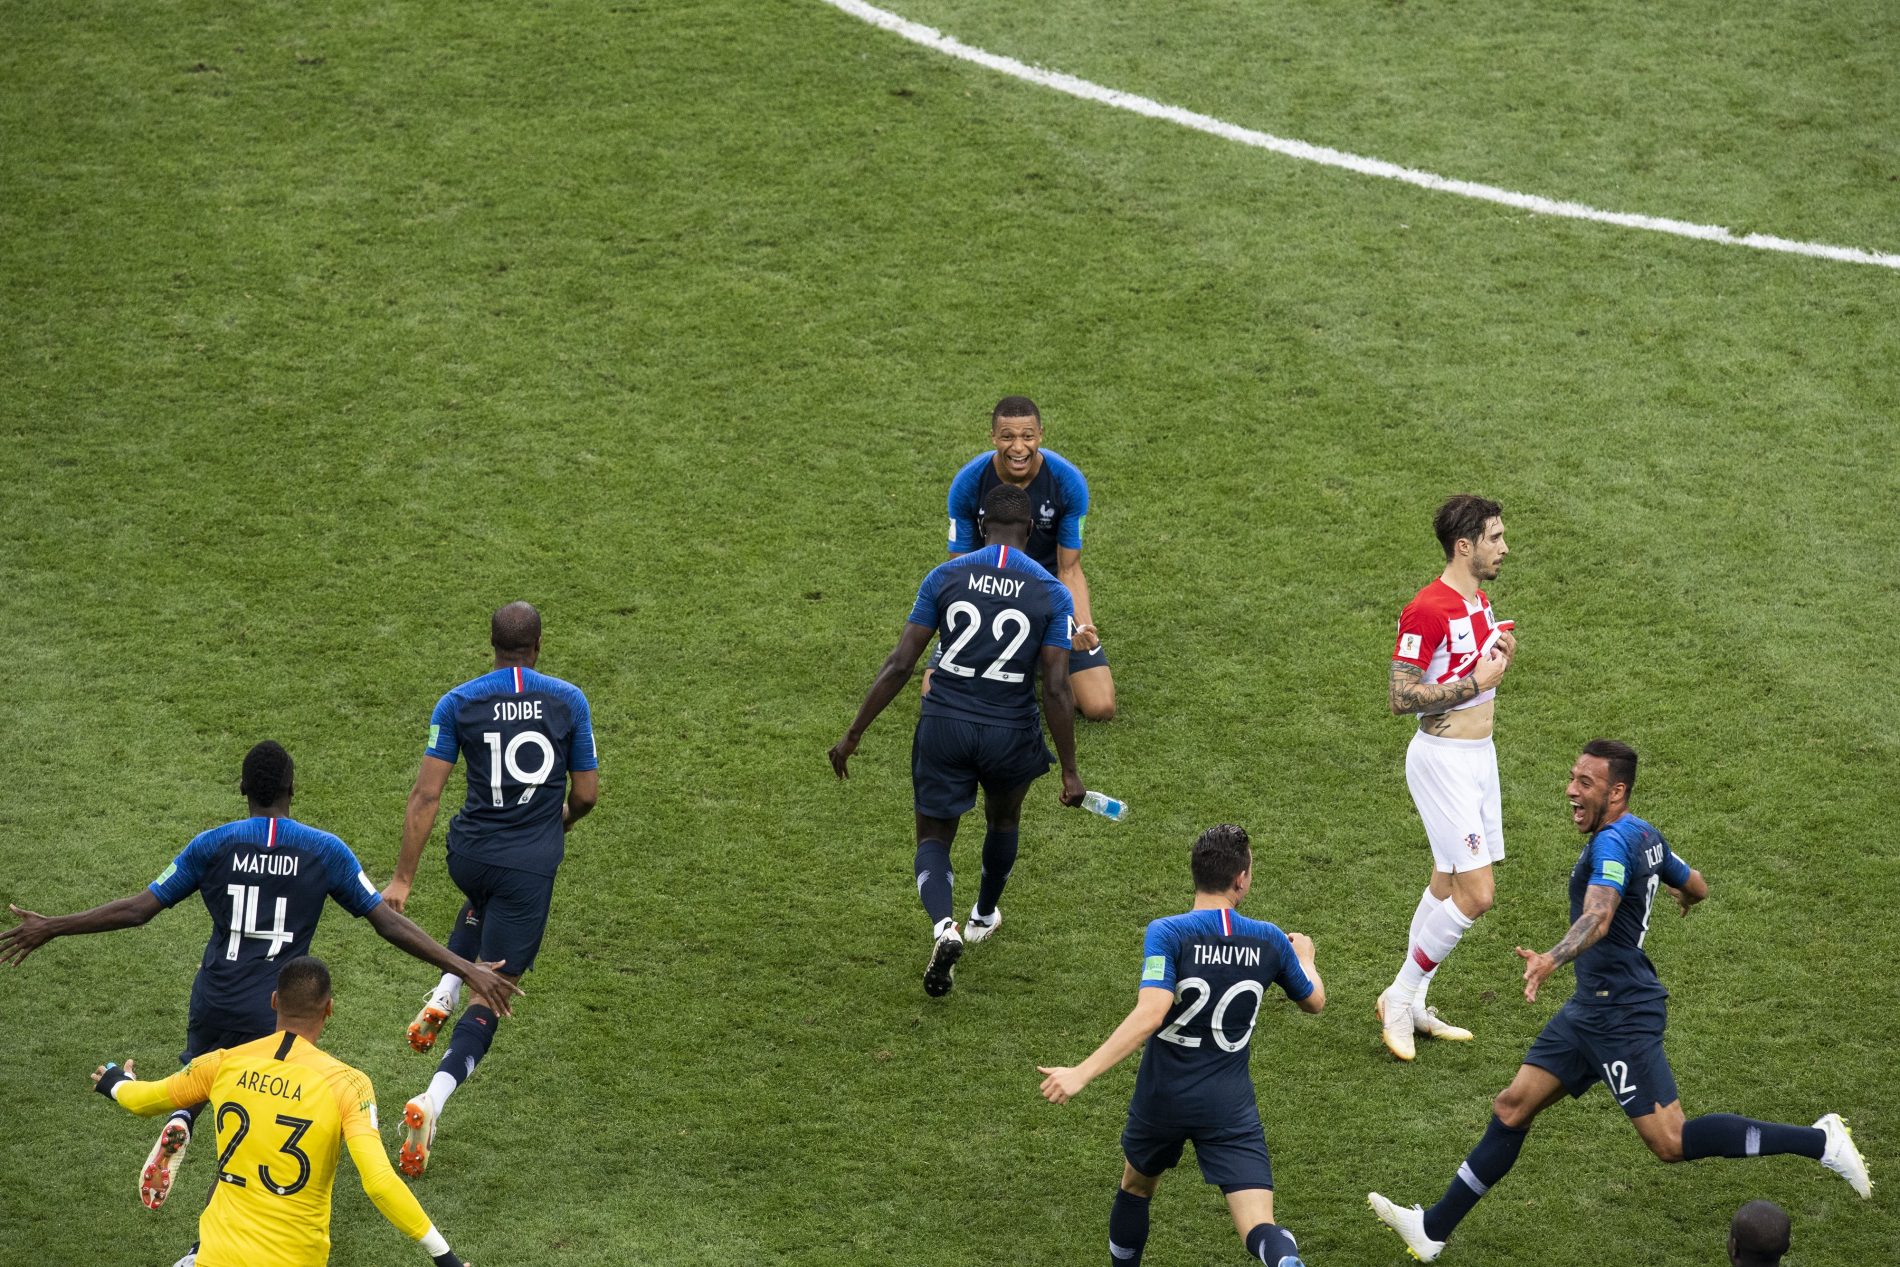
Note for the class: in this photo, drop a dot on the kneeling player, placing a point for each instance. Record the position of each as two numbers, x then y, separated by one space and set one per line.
1611 1030
1000 615
1204 975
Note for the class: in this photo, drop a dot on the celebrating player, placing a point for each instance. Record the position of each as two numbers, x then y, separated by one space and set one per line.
1204 976
1059 502
283 1108
1450 655
1611 1030
264 880
999 615
520 733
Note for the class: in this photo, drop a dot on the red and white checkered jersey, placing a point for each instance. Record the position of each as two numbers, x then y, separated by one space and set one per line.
1443 633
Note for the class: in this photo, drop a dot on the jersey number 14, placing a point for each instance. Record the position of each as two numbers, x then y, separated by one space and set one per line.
244 903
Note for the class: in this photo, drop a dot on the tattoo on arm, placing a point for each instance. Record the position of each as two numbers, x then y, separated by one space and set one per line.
1599 904
1409 692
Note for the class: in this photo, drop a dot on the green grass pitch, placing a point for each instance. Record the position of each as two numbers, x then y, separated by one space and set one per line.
325 328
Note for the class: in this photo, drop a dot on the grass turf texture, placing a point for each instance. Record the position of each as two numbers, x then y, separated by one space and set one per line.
328 328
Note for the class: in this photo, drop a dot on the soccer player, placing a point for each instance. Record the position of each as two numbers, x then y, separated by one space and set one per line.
999 615
1611 1030
264 880
1758 1235
1451 653
526 738
284 1106
1204 976
1059 502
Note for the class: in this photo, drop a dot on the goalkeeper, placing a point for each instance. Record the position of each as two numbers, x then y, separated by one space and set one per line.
284 1109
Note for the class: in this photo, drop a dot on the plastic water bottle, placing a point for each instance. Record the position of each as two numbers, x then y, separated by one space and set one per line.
1107 806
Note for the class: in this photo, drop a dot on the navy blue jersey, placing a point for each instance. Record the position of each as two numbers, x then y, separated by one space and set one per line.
265 881
1631 857
994 611
1219 965
1058 505
520 733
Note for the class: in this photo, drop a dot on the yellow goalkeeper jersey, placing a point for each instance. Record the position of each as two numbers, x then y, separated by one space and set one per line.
284 1110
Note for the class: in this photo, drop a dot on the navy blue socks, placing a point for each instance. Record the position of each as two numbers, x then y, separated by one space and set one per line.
1273 1245
934 879
999 858
473 1033
1726 1135
1127 1229
1489 1162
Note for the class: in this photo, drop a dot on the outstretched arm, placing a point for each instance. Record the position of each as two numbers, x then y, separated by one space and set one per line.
890 679
425 799
34 930
1062 1083
489 986
1599 907
393 1199
1058 705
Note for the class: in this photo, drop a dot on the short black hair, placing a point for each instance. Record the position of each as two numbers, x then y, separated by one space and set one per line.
1622 759
1005 504
1219 856
1015 407
1462 518
266 779
515 627
1761 1234
303 986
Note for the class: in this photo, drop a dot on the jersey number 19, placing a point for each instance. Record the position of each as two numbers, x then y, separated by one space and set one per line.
510 756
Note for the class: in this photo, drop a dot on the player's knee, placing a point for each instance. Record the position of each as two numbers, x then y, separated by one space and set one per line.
1137 1184
1668 1148
1511 1109
1098 710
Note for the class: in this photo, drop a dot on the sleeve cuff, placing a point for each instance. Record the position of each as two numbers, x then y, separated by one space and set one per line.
110 1082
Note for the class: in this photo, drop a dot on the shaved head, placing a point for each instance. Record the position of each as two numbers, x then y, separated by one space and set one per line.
1759 1234
515 629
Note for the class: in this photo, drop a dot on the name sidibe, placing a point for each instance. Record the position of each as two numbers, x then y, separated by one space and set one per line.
517 710
999 586
265 863
270 1084
1246 956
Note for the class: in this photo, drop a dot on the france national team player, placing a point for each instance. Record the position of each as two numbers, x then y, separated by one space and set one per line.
1059 503
999 615
1204 977
1611 1030
526 738
264 880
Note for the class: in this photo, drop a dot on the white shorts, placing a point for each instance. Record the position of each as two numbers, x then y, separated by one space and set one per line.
1454 783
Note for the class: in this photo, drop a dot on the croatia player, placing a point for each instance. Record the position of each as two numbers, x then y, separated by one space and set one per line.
1451 653
1204 977
528 742
1611 1030
264 880
1059 508
999 615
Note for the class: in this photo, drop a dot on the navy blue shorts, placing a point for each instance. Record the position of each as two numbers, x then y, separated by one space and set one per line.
1621 1047
949 757
1232 1156
210 1032
512 907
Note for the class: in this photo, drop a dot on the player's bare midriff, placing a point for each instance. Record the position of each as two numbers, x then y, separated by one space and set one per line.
1465 723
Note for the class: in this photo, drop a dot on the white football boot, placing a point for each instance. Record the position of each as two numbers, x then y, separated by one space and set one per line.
1842 1157
1394 1010
418 1122
436 1010
976 929
1426 1021
1409 1223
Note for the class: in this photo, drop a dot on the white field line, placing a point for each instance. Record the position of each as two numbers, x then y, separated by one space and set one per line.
917 33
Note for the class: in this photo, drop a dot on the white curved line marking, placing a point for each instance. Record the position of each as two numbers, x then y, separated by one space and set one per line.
917 33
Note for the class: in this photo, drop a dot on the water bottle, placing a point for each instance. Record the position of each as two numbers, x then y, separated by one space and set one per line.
1107 806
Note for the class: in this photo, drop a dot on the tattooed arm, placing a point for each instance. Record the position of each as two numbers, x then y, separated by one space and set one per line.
1408 693
1599 907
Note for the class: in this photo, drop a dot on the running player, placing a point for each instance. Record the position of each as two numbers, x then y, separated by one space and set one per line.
526 739
1611 1030
284 1106
264 880
1451 653
1059 502
1204 976
999 614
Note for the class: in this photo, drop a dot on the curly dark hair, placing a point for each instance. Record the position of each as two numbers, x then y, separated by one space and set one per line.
267 774
1219 856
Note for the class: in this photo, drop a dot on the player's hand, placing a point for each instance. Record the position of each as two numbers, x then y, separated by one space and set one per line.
396 893
1302 946
1491 667
1507 643
1537 966
1084 638
100 1072
33 931
1072 790
491 989
1062 1084
841 753
1682 899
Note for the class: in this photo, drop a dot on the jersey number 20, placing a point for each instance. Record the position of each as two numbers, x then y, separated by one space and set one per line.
1202 991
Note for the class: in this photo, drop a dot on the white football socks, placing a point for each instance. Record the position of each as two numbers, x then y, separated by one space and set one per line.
441 1087
1436 936
1426 905
449 990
